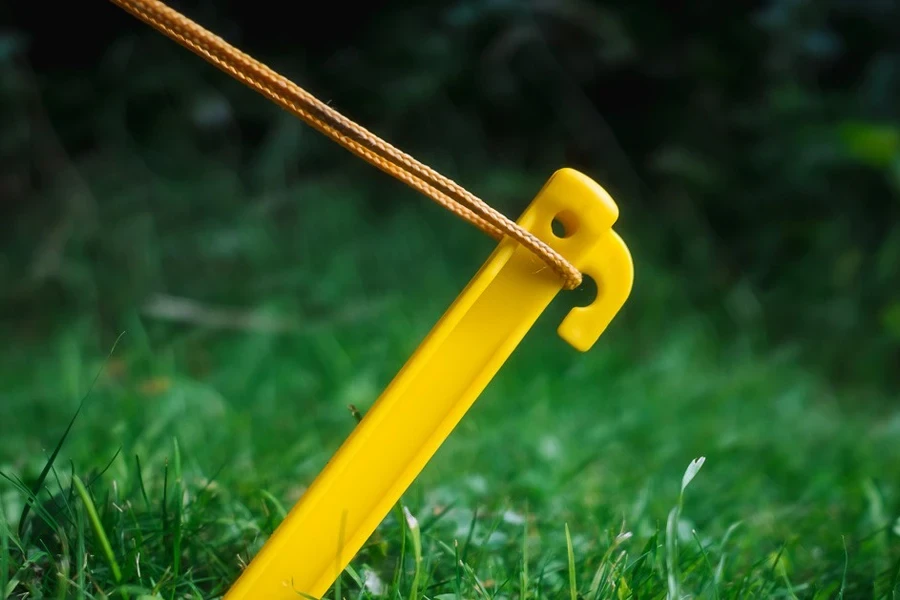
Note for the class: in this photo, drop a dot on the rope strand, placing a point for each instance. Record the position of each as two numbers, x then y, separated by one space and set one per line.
342 130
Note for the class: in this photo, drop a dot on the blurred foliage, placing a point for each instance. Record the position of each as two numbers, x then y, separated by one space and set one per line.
754 149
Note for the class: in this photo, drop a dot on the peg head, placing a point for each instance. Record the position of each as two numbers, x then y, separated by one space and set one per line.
574 215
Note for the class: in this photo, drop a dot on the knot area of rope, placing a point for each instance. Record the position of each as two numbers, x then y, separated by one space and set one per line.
342 130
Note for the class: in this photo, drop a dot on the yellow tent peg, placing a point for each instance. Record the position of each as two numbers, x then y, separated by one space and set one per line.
440 382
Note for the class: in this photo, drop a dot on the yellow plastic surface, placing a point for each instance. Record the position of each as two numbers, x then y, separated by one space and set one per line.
442 379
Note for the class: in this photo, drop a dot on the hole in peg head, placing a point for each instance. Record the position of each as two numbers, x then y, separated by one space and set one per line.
564 224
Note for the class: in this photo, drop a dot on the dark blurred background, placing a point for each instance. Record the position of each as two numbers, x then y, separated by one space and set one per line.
754 148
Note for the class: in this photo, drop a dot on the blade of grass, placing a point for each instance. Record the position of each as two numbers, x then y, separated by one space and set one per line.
398 575
99 532
476 582
4 554
456 568
523 586
62 572
846 567
59 503
415 534
357 579
278 506
469 535
570 552
104 469
140 478
39 483
712 571
176 540
138 539
164 512
80 551
672 566
720 568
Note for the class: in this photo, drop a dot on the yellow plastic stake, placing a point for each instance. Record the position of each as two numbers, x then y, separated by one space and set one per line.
431 393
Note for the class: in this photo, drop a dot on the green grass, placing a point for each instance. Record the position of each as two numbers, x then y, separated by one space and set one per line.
569 478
